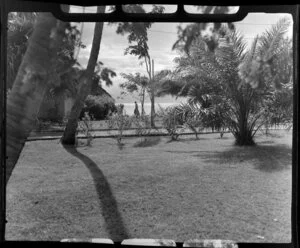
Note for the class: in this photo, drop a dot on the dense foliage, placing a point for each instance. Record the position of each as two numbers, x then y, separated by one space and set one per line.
20 28
98 106
234 86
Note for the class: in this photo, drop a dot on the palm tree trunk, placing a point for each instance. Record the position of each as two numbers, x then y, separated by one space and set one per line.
244 135
152 99
85 82
30 85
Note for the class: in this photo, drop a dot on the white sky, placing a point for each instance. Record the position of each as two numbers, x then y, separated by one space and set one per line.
161 38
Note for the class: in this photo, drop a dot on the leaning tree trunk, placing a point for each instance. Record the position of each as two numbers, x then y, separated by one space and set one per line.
85 84
30 85
152 96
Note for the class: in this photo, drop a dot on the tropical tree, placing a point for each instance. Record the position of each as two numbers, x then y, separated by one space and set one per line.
138 40
141 50
279 105
135 83
85 84
194 31
31 83
233 81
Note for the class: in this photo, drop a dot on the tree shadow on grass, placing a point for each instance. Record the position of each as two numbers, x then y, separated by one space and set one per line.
224 138
181 152
147 142
265 142
185 139
268 158
273 135
109 206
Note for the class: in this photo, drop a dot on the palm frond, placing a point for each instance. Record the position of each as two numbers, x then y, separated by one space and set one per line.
270 40
250 55
231 48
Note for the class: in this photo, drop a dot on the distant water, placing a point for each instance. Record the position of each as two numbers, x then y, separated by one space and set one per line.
129 107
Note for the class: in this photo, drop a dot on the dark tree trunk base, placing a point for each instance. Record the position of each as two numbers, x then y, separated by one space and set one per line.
244 141
70 141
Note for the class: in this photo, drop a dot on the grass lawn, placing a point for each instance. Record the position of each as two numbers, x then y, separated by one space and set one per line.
179 190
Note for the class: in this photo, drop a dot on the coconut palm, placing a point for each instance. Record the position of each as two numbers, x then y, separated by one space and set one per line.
30 84
85 84
20 28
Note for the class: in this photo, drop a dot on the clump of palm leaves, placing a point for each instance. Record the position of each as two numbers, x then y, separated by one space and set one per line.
191 117
175 119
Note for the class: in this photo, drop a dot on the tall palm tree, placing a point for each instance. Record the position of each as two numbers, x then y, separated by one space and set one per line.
85 84
30 84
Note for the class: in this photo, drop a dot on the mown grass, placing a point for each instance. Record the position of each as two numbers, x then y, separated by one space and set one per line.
206 188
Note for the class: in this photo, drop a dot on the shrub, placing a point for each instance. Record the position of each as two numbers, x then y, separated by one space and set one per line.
147 142
85 126
143 130
98 107
142 124
171 121
120 121
190 117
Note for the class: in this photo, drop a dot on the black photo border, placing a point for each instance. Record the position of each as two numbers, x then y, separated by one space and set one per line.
53 6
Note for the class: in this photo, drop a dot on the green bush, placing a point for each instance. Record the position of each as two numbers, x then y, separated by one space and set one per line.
119 121
189 117
177 118
85 126
98 107
171 121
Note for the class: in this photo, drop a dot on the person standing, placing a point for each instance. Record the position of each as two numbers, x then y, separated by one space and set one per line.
136 110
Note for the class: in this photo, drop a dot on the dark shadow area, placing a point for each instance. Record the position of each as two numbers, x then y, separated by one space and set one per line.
224 138
121 146
147 142
182 152
185 139
190 138
266 158
193 138
265 142
109 206
272 135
